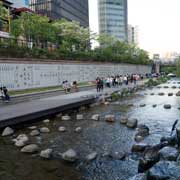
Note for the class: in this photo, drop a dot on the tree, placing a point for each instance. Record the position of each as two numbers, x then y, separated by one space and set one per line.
4 16
178 67
72 35
106 40
33 27
111 49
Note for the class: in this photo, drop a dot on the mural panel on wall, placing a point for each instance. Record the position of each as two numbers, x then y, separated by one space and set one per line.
25 76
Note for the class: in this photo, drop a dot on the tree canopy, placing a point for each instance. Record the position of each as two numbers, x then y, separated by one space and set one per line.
72 41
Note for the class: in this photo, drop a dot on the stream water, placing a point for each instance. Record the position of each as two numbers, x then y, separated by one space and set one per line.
96 136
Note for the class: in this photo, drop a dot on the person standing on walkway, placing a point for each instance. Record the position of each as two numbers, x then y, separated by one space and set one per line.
102 84
6 95
128 78
74 85
125 80
120 80
108 81
2 94
98 84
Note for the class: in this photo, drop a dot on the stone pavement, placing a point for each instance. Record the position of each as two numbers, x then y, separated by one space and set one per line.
34 109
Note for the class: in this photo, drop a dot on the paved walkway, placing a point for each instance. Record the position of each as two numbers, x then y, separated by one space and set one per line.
26 111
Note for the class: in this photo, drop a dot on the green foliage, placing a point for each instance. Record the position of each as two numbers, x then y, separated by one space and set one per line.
71 36
178 67
33 28
122 52
155 82
71 42
115 96
168 69
4 12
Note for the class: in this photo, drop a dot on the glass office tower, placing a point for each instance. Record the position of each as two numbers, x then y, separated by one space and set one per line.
76 10
113 18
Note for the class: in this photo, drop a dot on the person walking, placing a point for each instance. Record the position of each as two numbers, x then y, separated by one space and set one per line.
6 95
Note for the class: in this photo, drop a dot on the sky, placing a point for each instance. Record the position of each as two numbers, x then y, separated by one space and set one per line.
158 22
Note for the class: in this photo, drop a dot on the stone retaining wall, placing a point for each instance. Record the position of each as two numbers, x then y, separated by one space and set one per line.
28 74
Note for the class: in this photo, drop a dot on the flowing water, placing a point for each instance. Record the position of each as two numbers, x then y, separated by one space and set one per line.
107 140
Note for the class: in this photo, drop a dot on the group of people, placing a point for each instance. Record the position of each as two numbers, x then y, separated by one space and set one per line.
115 81
4 94
67 86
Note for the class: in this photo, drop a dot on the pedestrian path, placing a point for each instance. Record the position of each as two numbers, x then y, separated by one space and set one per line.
34 109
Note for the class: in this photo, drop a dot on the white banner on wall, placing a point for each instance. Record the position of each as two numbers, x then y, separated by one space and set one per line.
25 76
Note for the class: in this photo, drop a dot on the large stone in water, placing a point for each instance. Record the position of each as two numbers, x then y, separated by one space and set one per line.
62 129
31 148
7 131
35 132
139 147
178 93
150 157
46 121
161 94
132 123
95 117
79 117
91 156
78 129
142 105
70 155
170 94
167 106
123 120
138 138
32 127
46 153
66 118
164 170
44 130
110 118
21 140
171 140
169 153
119 155
142 130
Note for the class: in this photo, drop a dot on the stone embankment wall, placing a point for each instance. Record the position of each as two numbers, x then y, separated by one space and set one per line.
22 74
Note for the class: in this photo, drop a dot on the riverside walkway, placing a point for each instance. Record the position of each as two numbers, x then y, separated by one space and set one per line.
21 112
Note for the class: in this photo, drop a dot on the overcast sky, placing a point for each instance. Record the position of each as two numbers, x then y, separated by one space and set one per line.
158 21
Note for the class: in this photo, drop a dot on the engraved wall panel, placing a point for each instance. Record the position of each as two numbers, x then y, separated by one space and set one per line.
24 76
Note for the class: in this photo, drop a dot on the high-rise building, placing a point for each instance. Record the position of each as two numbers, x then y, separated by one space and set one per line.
133 35
76 10
20 3
113 18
